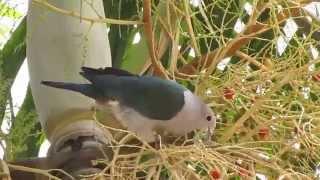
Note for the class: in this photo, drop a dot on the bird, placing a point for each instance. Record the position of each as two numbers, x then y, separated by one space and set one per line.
143 104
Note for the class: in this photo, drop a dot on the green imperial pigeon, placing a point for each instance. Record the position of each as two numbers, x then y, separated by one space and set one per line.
143 104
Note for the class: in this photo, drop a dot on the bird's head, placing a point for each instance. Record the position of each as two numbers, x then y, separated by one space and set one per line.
197 114
211 119
208 117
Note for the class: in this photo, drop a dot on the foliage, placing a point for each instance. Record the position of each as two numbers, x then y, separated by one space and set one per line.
19 144
24 138
266 102
120 36
7 11
269 125
11 58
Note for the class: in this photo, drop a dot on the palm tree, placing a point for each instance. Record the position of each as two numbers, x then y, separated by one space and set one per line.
255 62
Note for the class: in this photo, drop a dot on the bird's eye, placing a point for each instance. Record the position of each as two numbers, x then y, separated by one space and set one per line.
209 118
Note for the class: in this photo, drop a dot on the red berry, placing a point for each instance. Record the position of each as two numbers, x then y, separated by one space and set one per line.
228 93
316 77
263 132
215 174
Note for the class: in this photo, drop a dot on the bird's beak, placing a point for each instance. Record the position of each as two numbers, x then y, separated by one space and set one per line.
209 134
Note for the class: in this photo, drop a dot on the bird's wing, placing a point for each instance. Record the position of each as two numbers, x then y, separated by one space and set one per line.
105 71
93 74
152 97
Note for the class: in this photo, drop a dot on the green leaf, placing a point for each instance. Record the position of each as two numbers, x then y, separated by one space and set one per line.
119 35
125 55
7 11
11 58
136 55
4 30
23 139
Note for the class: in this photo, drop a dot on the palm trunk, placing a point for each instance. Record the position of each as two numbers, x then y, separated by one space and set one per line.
58 45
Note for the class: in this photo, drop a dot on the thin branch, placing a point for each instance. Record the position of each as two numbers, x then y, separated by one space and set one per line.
252 30
5 175
190 27
51 7
33 170
150 38
251 60
288 76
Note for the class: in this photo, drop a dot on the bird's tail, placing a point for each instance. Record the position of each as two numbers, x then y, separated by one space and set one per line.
85 89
